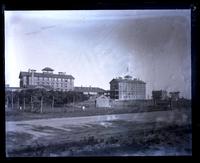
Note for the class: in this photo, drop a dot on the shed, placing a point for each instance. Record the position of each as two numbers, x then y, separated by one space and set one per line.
102 102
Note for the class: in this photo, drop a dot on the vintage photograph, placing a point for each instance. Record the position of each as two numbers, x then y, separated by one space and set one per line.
98 83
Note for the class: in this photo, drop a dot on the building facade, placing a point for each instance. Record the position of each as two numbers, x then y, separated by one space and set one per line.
59 82
127 89
174 96
89 90
159 95
102 102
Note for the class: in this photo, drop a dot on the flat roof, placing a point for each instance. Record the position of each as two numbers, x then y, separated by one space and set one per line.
36 74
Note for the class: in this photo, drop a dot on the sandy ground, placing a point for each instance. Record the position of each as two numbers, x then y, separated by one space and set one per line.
33 133
65 123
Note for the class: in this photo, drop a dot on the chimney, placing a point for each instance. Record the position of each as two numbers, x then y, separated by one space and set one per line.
32 76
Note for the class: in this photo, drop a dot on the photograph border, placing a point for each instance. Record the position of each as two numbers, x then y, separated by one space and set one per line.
95 5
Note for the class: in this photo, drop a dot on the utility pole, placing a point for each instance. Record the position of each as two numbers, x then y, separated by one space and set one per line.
12 99
24 100
52 106
41 105
18 102
24 103
31 103
73 99
171 104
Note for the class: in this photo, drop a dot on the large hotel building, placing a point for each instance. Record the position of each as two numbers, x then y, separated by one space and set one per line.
127 89
48 79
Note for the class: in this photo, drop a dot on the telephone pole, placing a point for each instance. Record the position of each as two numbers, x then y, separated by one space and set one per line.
12 99
41 105
31 103
24 103
52 103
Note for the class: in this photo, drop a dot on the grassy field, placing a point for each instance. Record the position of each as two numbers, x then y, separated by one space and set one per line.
113 138
18 115
126 138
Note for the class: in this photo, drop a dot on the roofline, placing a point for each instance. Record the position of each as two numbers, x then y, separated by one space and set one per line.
50 69
132 80
28 73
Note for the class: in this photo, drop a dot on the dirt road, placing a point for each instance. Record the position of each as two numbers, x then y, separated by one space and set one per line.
56 131
66 123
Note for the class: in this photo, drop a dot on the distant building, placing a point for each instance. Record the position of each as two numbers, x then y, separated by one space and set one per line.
47 78
159 95
174 95
107 93
89 90
102 102
13 89
127 88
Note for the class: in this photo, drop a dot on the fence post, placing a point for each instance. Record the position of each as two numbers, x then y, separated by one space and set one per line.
171 104
52 103
18 102
41 105
12 99
24 103
31 103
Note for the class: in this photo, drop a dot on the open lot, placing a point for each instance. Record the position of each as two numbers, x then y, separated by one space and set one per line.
94 135
19 115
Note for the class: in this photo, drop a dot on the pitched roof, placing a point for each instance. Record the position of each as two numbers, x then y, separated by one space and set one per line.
88 89
47 69
127 81
102 97
36 74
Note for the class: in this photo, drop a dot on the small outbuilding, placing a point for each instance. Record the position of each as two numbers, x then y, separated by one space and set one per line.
102 102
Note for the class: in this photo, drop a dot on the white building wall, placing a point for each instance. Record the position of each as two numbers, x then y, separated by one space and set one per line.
131 91
103 102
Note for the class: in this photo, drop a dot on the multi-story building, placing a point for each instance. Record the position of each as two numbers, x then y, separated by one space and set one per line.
47 78
127 88
89 90
159 95
174 95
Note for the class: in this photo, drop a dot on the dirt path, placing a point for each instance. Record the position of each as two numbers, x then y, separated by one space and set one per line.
66 123
57 132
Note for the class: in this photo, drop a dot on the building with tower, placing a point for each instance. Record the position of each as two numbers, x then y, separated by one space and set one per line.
46 79
127 88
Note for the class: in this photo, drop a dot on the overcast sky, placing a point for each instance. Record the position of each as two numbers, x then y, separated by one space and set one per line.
97 46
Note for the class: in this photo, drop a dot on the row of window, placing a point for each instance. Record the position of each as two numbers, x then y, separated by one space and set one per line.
52 79
51 84
132 87
133 97
132 93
